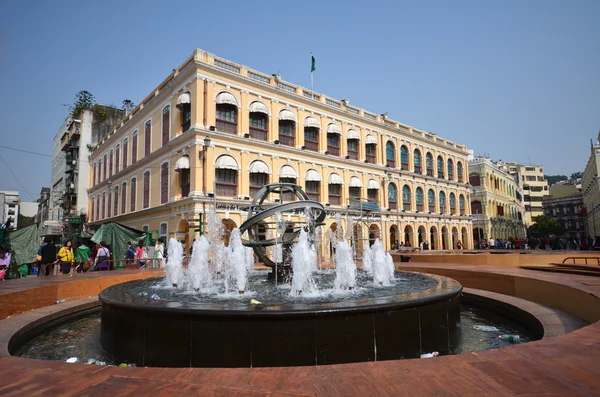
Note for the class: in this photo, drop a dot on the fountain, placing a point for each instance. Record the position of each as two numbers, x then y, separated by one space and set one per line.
218 312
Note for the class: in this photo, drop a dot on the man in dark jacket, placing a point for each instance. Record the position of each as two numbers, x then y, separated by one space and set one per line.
48 257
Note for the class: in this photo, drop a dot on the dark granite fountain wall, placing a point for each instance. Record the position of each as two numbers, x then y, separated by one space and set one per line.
172 334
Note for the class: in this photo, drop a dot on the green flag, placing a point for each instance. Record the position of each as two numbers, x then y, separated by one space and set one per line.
313 65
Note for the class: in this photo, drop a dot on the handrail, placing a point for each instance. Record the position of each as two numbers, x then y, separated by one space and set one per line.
585 258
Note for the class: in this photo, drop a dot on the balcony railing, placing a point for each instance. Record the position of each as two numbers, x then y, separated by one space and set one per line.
420 207
440 174
353 154
311 145
226 126
286 140
333 150
406 206
393 205
335 199
430 172
313 196
226 189
404 166
258 133
418 169
391 163
370 158
254 190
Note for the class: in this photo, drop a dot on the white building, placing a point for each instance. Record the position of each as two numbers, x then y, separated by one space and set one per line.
9 208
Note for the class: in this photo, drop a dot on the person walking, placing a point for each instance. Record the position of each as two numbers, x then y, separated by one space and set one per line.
103 257
82 257
66 258
141 254
130 254
159 249
48 254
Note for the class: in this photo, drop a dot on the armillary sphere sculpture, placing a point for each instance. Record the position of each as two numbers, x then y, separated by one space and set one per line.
261 218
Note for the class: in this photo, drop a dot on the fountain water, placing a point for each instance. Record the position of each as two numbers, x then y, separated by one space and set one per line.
235 263
198 270
216 230
345 269
383 267
304 262
174 269
367 259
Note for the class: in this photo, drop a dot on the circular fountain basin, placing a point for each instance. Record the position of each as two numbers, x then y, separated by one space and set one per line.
418 314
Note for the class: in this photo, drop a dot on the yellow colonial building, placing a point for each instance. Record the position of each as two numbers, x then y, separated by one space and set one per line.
496 201
214 132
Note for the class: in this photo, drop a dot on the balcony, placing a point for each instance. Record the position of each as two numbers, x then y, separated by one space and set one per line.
418 169
311 145
226 189
370 158
391 163
335 199
258 133
226 126
404 166
333 150
286 140
352 154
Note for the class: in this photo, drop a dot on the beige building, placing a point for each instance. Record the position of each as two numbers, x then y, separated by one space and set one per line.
591 190
497 205
535 188
214 132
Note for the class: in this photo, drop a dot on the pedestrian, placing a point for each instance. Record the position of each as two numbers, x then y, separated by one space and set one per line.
159 249
4 262
459 245
141 254
48 257
82 257
130 254
66 257
103 257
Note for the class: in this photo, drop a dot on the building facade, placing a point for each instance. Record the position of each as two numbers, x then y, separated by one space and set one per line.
71 169
497 205
591 190
568 212
214 132
535 188
9 209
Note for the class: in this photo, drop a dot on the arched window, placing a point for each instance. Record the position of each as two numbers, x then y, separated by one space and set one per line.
185 108
442 202
461 204
92 211
104 164
110 163
459 171
146 198
132 194
404 158
287 174
450 169
417 161
392 196
259 121
390 154
333 139
474 179
334 186
419 198
164 183
226 113
108 204
353 143
147 137
116 202
134 147
431 200
97 207
476 207
311 134
94 171
123 197
104 205
259 176
166 124
117 158
440 167
429 164
287 128
373 192
226 174
452 204
406 197
370 149
355 192
313 185
125 150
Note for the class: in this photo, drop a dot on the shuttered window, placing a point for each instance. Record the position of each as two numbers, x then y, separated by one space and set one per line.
164 183
108 207
123 197
146 201
92 211
147 140
133 192
110 164
117 157
103 205
116 202
166 120
125 147
134 146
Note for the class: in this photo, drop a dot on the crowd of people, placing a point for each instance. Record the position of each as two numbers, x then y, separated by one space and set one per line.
544 243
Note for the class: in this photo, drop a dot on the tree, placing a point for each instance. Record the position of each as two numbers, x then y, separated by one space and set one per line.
576 176
544 226
25 221
128 104
83 100
552 179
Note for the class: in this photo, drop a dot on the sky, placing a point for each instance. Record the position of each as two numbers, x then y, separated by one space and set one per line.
518 80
